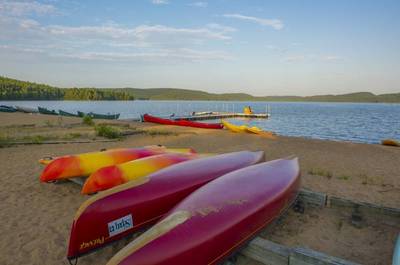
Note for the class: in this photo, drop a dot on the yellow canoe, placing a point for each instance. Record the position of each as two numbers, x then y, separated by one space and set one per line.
233 127
391 142
245 128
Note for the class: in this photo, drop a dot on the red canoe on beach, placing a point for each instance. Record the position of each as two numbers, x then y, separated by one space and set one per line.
122 210
215 220
149 118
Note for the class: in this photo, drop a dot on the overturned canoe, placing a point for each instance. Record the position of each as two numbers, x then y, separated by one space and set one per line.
26 109
233 127
145 201
390 142
111 176
218 218
71 166
68 114
47 111
4 108
182 122
99 116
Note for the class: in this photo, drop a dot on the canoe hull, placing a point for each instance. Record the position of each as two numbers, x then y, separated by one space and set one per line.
186 123
218 218
234 128
67 114
85 164
46 111
146 202
99 116
108 177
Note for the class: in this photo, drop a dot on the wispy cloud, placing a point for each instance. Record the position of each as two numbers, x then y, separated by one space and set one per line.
21 8
311 57
199 4
160 2
143 42
274 23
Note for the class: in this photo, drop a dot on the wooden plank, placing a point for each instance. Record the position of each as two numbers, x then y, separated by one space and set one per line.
313 198
267 252
364 207
304 256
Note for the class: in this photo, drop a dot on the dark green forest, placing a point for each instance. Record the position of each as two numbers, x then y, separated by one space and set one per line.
12 89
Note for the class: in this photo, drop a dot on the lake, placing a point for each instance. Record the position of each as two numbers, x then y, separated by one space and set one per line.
356 122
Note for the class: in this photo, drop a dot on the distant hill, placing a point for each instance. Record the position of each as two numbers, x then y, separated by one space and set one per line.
12 89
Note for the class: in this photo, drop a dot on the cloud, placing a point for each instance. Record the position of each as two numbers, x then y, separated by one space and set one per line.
199 4
331 58
274 23
143 42
295 58
312 57
17 8
160 2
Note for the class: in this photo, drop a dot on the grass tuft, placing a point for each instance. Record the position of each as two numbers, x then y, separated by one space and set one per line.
320 172
87 120
108 132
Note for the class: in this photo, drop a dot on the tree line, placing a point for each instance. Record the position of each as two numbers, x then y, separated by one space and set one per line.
12 89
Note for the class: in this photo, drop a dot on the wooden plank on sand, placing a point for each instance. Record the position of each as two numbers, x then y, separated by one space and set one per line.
304 256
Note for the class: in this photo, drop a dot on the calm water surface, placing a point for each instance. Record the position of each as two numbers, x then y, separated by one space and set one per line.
357 122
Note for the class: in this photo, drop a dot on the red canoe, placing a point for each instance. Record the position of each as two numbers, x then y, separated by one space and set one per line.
215 220
149 118
122 210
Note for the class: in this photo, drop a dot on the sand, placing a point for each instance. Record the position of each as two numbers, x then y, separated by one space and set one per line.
35 218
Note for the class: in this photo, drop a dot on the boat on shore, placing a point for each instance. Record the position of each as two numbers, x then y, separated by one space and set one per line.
99 116
47 111
218 218
147 200
181 122
26 109
4 108
68 114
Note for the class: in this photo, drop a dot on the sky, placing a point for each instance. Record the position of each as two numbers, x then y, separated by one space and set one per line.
259 47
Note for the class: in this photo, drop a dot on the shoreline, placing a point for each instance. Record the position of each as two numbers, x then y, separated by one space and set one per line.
36 217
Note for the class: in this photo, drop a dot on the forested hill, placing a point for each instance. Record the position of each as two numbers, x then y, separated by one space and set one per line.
12 89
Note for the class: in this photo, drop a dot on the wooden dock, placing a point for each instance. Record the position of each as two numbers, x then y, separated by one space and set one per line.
221 115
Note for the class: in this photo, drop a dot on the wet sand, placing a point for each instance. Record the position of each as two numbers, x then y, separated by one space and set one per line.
36 217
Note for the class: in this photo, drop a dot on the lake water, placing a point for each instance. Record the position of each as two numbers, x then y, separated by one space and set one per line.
356 122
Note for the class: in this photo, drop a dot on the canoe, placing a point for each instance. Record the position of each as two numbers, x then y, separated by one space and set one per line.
260 132
99 116
48 159
111 176
234 128
218 218
71 166
390 142
181 122
68 114
245 128
396 252
47 111
4 108
146 201
26 109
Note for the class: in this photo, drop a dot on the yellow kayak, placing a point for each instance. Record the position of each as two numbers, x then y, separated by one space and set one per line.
234 128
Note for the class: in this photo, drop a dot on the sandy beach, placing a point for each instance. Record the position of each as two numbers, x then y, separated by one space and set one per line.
36 217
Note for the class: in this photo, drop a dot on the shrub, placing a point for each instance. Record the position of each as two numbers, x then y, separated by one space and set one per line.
87 120
107 131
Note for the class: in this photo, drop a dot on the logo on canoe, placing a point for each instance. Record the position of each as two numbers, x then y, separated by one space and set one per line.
92 243
120 225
